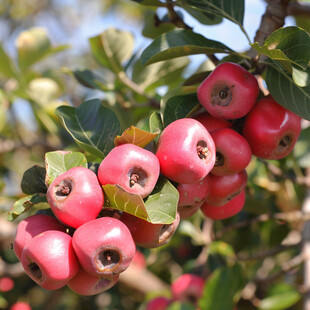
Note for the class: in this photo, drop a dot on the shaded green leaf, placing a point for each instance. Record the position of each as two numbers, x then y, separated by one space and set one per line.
89 79
232 10
7 67
290 45
280 301
33 180
155 122
177 305
180 42
221 288
286 92
92 125
112 47
135 136
179 103
58 162
158 208
24 204
301 149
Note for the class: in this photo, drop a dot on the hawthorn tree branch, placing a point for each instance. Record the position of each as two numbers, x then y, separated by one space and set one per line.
298 9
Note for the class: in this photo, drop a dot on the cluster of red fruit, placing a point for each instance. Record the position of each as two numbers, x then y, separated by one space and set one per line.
87 250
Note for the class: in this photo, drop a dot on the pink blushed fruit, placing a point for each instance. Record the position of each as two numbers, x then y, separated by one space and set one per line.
229 209
49 259
6 284
191 196
75 196
32 226
229 92
158 303
135 169
186 151
188 288
86 284
104 246
20 305
149 235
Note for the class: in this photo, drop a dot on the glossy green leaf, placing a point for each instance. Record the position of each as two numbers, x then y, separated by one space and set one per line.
58 162
179 43
290 45
112 47
204 18
89 79
7 67
158 208
24 204
92 125
232 10
280 301
179 103
291 96
221 288
135 136
33 180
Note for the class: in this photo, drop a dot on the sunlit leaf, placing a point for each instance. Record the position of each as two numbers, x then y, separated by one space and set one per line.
112 47
280 301
24 204
158 208
135 136
58 162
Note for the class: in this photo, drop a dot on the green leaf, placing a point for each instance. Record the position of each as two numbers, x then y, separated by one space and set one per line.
222 287
301 77
92 125
158 208
289 45
156 3
135 136
7 67
112 47
280 301
232 10
161 73
89 79
24 204
180 42
204 18
177 305
58 162
153 27
155 122
286 92
179 103
222 248
33 180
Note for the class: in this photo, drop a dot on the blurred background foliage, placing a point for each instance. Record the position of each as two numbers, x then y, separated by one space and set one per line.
47 60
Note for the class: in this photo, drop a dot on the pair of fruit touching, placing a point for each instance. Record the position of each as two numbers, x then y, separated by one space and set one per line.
204 155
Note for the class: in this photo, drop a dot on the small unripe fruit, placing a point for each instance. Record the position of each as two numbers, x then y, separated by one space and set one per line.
32 226
188 288
229 92
271 130
75 196
135 169
148 235
185 151
104 246
49 259
86 284
231 208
